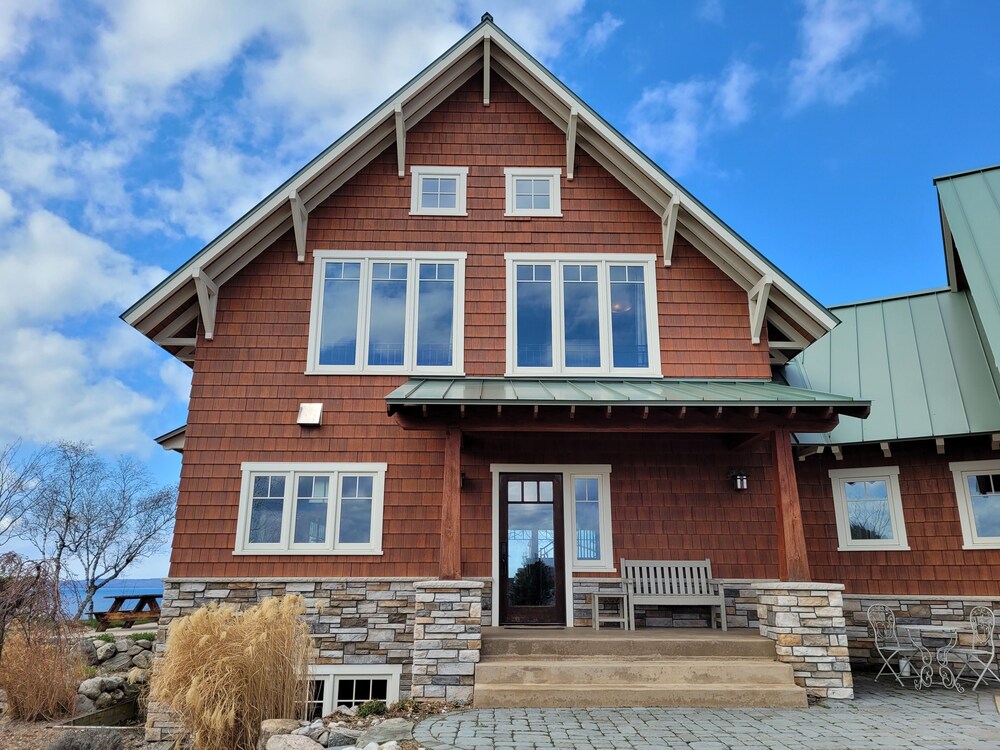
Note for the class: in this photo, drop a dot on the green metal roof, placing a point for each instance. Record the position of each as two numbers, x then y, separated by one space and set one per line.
918 358
603 392
970 206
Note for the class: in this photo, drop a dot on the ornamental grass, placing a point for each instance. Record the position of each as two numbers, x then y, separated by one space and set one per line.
225 671
40 672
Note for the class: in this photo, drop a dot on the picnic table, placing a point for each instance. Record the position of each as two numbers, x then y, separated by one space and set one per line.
146 607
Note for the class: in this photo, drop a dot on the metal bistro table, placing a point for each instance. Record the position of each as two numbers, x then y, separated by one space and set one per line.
935 667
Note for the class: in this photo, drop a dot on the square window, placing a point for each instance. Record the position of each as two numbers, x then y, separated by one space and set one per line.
977 489
533 191
869 510
438 191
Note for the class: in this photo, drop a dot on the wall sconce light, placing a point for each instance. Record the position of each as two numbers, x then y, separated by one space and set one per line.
739 479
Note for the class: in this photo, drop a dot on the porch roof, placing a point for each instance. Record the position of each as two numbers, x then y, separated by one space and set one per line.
611 392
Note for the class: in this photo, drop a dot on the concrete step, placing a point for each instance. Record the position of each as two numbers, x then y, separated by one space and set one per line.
734 695
708 643
590 671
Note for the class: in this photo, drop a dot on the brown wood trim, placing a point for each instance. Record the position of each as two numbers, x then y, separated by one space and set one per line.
793 560
451 507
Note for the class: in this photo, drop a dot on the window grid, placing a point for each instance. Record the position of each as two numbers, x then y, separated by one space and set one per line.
438 191
354 691
533 191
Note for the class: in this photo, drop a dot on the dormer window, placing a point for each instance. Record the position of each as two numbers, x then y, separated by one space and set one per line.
533 191
438 191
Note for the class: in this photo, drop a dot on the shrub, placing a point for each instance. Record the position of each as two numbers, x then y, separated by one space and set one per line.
224 671
146 636
101 739
106 637
41 671
371 708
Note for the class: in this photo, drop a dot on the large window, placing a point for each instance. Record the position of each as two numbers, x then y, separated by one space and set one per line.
977 487
869 508
387 312
438 191
311 509
582 315
349 685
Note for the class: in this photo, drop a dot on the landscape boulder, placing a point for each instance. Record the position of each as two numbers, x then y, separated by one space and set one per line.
274 727
341 736
92 688
388 730
143 660
84 705
292 742
89 651
118 662
105 651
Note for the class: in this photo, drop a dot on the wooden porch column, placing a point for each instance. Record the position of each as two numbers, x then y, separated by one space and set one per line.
451 506
793 560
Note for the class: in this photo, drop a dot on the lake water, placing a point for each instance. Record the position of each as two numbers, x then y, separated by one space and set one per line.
71 592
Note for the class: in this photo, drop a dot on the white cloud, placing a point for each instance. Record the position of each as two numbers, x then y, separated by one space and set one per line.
30 150
711 11
598 35
50 390
15 16
48 271
120 347
833 33
7 211
177 377
674 119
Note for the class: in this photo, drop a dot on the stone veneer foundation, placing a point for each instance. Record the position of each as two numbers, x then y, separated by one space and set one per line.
447 639
806 622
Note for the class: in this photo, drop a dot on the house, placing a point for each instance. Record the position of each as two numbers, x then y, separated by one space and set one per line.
482 348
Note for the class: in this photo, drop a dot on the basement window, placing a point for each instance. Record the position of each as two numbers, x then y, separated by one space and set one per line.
438 191
869 509
533 191
334 685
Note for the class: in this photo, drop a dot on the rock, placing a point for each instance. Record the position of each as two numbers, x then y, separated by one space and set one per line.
314 731
117 695
138 676
371 746
103 701
349 710
342 736
105 651
118 662
303 731
133 650
273 727
89 651
84 705
143 660
292 742
91 688
323 739
122 645
145 643
111 683
388 730
390 745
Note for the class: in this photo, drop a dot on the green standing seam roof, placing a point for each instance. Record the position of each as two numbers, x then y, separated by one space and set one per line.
971 204
919 359
604 392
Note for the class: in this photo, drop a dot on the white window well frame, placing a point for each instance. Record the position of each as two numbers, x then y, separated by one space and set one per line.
552 174
417 176
367 259
331 673
887 474
603 261
961 470
291 471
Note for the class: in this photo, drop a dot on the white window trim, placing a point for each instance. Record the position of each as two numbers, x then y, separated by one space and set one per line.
888 474
558 339
552 174
568 471
960 471
366 258
417 174
330 673
285 546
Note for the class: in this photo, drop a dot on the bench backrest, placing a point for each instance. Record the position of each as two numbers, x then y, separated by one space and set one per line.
668 577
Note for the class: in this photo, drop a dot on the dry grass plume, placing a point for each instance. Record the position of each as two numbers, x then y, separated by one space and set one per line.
41 671
225 671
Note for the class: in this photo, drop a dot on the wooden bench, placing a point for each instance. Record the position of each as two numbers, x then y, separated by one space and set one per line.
672 583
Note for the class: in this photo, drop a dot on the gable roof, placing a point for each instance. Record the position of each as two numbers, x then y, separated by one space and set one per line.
969 203
187 294
920 360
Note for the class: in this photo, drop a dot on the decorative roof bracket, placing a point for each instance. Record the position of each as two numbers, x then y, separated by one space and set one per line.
574 116
300 220
669 221
486 69
400 141
757 299
208 297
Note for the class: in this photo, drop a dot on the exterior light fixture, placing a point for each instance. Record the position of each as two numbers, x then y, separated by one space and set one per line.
740 480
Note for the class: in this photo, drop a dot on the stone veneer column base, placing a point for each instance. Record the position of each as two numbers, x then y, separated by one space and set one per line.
447 638
806 622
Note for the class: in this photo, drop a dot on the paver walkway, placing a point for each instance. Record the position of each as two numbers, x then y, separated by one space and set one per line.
883 715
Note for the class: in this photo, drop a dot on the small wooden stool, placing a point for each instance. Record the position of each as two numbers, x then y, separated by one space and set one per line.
595 604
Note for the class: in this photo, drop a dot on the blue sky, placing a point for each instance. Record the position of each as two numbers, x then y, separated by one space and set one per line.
133 132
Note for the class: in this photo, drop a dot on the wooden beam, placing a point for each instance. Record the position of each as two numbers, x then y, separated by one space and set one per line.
574 116
669 221
757 300
793 559
755 413
645 412
939 446
300 221
718 412
175 341
886 450
837 452
451 507
746 442
486 70
208 297
400 141
995 441
792 412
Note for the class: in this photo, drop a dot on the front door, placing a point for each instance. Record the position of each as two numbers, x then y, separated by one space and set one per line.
532 583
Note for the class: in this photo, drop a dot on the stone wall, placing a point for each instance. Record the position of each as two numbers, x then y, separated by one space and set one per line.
806 622
933 610
447 640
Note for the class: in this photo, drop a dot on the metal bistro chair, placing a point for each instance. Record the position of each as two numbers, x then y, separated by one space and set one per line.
883 625
980 655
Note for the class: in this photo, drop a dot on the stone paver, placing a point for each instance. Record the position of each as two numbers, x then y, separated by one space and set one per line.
883 715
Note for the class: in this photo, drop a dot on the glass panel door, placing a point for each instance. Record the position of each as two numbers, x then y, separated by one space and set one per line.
531 549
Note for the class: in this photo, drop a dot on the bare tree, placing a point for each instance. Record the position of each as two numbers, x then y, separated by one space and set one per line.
96 519
27 590
20 472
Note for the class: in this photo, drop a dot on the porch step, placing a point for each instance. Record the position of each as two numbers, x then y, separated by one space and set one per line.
616 695
666 643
